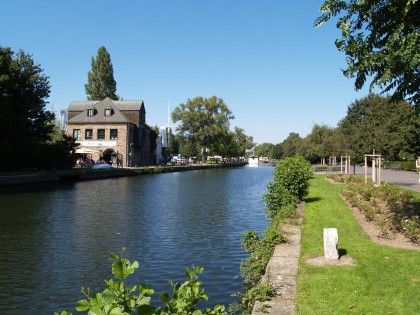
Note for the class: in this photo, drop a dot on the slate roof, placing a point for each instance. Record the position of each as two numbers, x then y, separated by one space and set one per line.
99 107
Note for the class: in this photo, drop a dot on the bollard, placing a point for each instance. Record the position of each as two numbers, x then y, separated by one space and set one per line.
331 244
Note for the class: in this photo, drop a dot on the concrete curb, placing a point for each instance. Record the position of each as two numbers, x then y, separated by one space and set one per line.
282 271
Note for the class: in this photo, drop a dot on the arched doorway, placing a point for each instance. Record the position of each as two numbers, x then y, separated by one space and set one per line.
107 155
112 157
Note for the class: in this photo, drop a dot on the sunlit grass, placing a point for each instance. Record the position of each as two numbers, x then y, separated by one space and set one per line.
385 280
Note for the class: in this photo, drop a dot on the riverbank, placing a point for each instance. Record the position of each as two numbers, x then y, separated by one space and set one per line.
383 280
81 174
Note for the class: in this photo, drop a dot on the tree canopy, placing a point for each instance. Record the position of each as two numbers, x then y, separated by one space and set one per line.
381 41
272 151
101 83
238 143
204 122
378 123
291 145
24 90
321 142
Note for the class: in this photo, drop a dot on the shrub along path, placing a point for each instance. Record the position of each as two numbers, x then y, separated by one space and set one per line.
385 280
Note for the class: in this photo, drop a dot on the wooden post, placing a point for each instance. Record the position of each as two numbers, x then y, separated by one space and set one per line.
366 169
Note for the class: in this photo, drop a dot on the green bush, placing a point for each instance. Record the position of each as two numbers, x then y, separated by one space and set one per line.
277 199
405 165
290 185
253 267
294 173
344 178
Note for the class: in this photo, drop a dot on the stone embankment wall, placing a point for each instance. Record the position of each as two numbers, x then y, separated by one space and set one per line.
90 174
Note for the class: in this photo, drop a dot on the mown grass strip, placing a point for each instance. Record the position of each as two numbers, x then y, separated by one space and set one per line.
385 280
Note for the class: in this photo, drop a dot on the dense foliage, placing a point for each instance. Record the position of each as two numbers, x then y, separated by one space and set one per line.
35 156
391 128
204 129
293 175
378 123
236 143
101 83
23 98
381 41
29 136
120 299
269 150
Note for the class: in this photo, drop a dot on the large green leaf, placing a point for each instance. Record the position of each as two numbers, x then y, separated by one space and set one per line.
82 305
122 268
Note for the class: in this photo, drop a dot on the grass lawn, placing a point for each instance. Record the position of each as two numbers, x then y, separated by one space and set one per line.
385 280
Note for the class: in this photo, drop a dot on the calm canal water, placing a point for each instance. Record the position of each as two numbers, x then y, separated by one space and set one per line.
56 239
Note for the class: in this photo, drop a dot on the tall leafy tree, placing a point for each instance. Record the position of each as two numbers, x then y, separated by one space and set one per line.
204 122
378 123
276 152
291 145
101 83
24 90
237 143
264 150
322 142
381 41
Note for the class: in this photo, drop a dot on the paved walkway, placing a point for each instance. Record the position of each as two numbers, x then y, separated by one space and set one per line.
409 180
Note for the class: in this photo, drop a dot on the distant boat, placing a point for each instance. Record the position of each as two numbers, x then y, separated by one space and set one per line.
253 161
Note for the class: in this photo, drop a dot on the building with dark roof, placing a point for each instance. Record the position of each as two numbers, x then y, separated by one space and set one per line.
116 131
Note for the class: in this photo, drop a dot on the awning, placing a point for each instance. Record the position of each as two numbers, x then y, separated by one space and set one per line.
85 151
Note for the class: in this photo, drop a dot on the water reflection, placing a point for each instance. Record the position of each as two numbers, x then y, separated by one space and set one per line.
57 239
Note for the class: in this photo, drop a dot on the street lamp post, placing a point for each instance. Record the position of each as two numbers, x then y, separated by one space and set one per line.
131 154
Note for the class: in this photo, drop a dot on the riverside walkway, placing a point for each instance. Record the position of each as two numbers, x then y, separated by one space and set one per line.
405 179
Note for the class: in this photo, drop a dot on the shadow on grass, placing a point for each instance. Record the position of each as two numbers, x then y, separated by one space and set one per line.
313 199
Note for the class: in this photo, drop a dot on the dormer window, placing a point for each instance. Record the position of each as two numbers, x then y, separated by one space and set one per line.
90 112
107 112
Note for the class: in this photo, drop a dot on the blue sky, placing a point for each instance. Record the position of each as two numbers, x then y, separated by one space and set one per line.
263 58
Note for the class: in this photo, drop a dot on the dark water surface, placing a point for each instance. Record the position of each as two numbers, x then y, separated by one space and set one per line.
56 239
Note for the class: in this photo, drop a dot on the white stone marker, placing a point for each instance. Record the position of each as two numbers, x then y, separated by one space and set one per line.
331 244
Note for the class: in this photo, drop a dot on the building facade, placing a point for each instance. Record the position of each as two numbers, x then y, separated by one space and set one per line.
114 131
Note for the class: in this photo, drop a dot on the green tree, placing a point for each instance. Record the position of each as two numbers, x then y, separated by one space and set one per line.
23 93
101 83
240 142
264 149
235 144
187 148
204 122
378 123
320 143
381 41
291 145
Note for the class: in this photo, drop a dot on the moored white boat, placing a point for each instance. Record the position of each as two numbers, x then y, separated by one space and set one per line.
253 161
